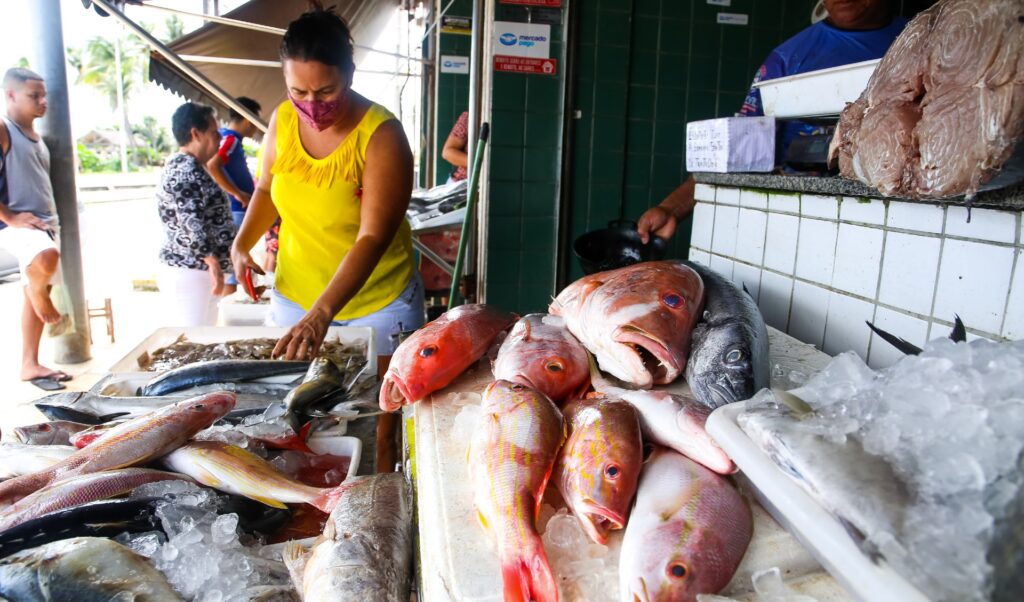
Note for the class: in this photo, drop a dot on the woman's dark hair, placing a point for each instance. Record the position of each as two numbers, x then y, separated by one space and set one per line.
319 35
187 116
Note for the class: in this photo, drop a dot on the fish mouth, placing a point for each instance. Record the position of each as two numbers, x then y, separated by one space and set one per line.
598 521
722 394
653 353
393 393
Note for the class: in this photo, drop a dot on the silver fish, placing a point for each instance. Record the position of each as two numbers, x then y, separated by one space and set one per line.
365 552
56 432
18 459
83 569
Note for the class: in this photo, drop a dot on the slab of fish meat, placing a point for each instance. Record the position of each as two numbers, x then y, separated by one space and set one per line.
234 470
55 432
859 488
637 320
137 441
83 569
78 490
542 353
598 467
674 421
944 109
18 459
686 535
365 552
219 371
729 358
438 353
511 458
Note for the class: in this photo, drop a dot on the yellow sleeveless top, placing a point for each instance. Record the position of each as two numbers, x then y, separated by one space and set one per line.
318 200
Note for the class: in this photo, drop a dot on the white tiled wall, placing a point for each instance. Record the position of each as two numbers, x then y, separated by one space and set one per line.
820 266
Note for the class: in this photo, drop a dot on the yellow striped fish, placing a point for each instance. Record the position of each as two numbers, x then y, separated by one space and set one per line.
511 457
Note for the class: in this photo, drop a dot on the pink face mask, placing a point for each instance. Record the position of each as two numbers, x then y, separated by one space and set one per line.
318 114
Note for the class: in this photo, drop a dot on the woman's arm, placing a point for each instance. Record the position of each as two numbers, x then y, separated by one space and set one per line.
387 187
261 212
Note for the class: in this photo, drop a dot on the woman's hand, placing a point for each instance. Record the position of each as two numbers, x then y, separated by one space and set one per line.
303 341
242 261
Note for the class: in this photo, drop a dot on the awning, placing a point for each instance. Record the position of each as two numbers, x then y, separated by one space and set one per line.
366 19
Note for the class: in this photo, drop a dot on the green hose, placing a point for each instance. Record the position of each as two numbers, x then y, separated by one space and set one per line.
467 221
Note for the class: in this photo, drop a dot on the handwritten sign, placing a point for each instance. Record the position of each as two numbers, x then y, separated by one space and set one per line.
731 144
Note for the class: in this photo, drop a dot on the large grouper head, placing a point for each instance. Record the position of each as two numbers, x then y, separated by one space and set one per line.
721 369
637 320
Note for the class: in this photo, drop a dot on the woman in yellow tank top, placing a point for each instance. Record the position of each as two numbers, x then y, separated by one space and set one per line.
337 169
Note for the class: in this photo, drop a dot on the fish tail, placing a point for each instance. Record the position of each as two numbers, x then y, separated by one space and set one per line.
329 498
526 574
298 442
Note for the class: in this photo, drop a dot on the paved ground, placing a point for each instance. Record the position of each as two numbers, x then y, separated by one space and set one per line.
121 236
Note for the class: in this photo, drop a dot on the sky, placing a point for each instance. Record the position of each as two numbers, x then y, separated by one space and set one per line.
91 110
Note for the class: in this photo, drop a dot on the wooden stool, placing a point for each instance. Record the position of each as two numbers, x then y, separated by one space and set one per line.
103 312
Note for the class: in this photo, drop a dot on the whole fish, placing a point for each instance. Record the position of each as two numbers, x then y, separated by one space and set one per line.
365 552
82 489
599 465
92 409
511 457
729 358
675 421
637 320
323 381
83 569
438 353
56 432
686 535
219 371
18 459
234 470
542 353
137 441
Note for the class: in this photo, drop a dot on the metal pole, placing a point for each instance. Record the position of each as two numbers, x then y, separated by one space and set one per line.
189 70
55 128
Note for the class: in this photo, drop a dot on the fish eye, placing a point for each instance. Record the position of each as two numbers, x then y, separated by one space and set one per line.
612 471
672 300
555 366
517 387
677 570
428 351
734 355
44 427
198 406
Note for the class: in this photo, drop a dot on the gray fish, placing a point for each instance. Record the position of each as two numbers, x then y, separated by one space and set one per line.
56 432
323 381
365 552
219 371
729 351
83 569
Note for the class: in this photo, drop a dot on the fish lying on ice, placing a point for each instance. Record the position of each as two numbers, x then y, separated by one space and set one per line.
219 371
83 569
137 441
637 320
18 459
729 357
686 535
511 457
542 353
365 552
599 465
438 353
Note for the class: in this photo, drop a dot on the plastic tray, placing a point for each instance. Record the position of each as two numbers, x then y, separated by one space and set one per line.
815 93
338 446
819 531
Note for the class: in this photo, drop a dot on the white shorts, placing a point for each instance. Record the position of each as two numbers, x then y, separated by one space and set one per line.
26 244
187 296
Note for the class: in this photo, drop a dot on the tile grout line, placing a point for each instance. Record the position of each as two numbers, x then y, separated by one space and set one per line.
1013 274
938 274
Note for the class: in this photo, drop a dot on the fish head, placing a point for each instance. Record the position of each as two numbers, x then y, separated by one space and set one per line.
206 409
723 372
599 465
541 353
37 434
650 309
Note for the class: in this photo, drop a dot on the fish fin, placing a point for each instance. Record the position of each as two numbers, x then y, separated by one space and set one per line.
795 404
959 333
113 416
270 502
526 574
483 520
588 289
329 498
744 285
597 380
294 556
527 330
903 346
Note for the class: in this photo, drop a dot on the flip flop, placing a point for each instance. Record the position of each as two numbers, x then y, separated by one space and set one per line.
59 376
47 384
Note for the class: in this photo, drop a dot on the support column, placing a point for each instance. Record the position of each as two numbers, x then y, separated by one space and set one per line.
55 128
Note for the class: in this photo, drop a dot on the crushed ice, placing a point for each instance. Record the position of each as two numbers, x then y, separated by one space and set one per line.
584 570
202 555
950 421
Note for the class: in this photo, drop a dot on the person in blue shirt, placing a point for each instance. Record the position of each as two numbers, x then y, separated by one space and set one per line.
230 170
854 31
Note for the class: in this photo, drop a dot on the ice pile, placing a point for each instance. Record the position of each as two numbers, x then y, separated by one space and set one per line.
202 555
768 587
950 421
584 570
